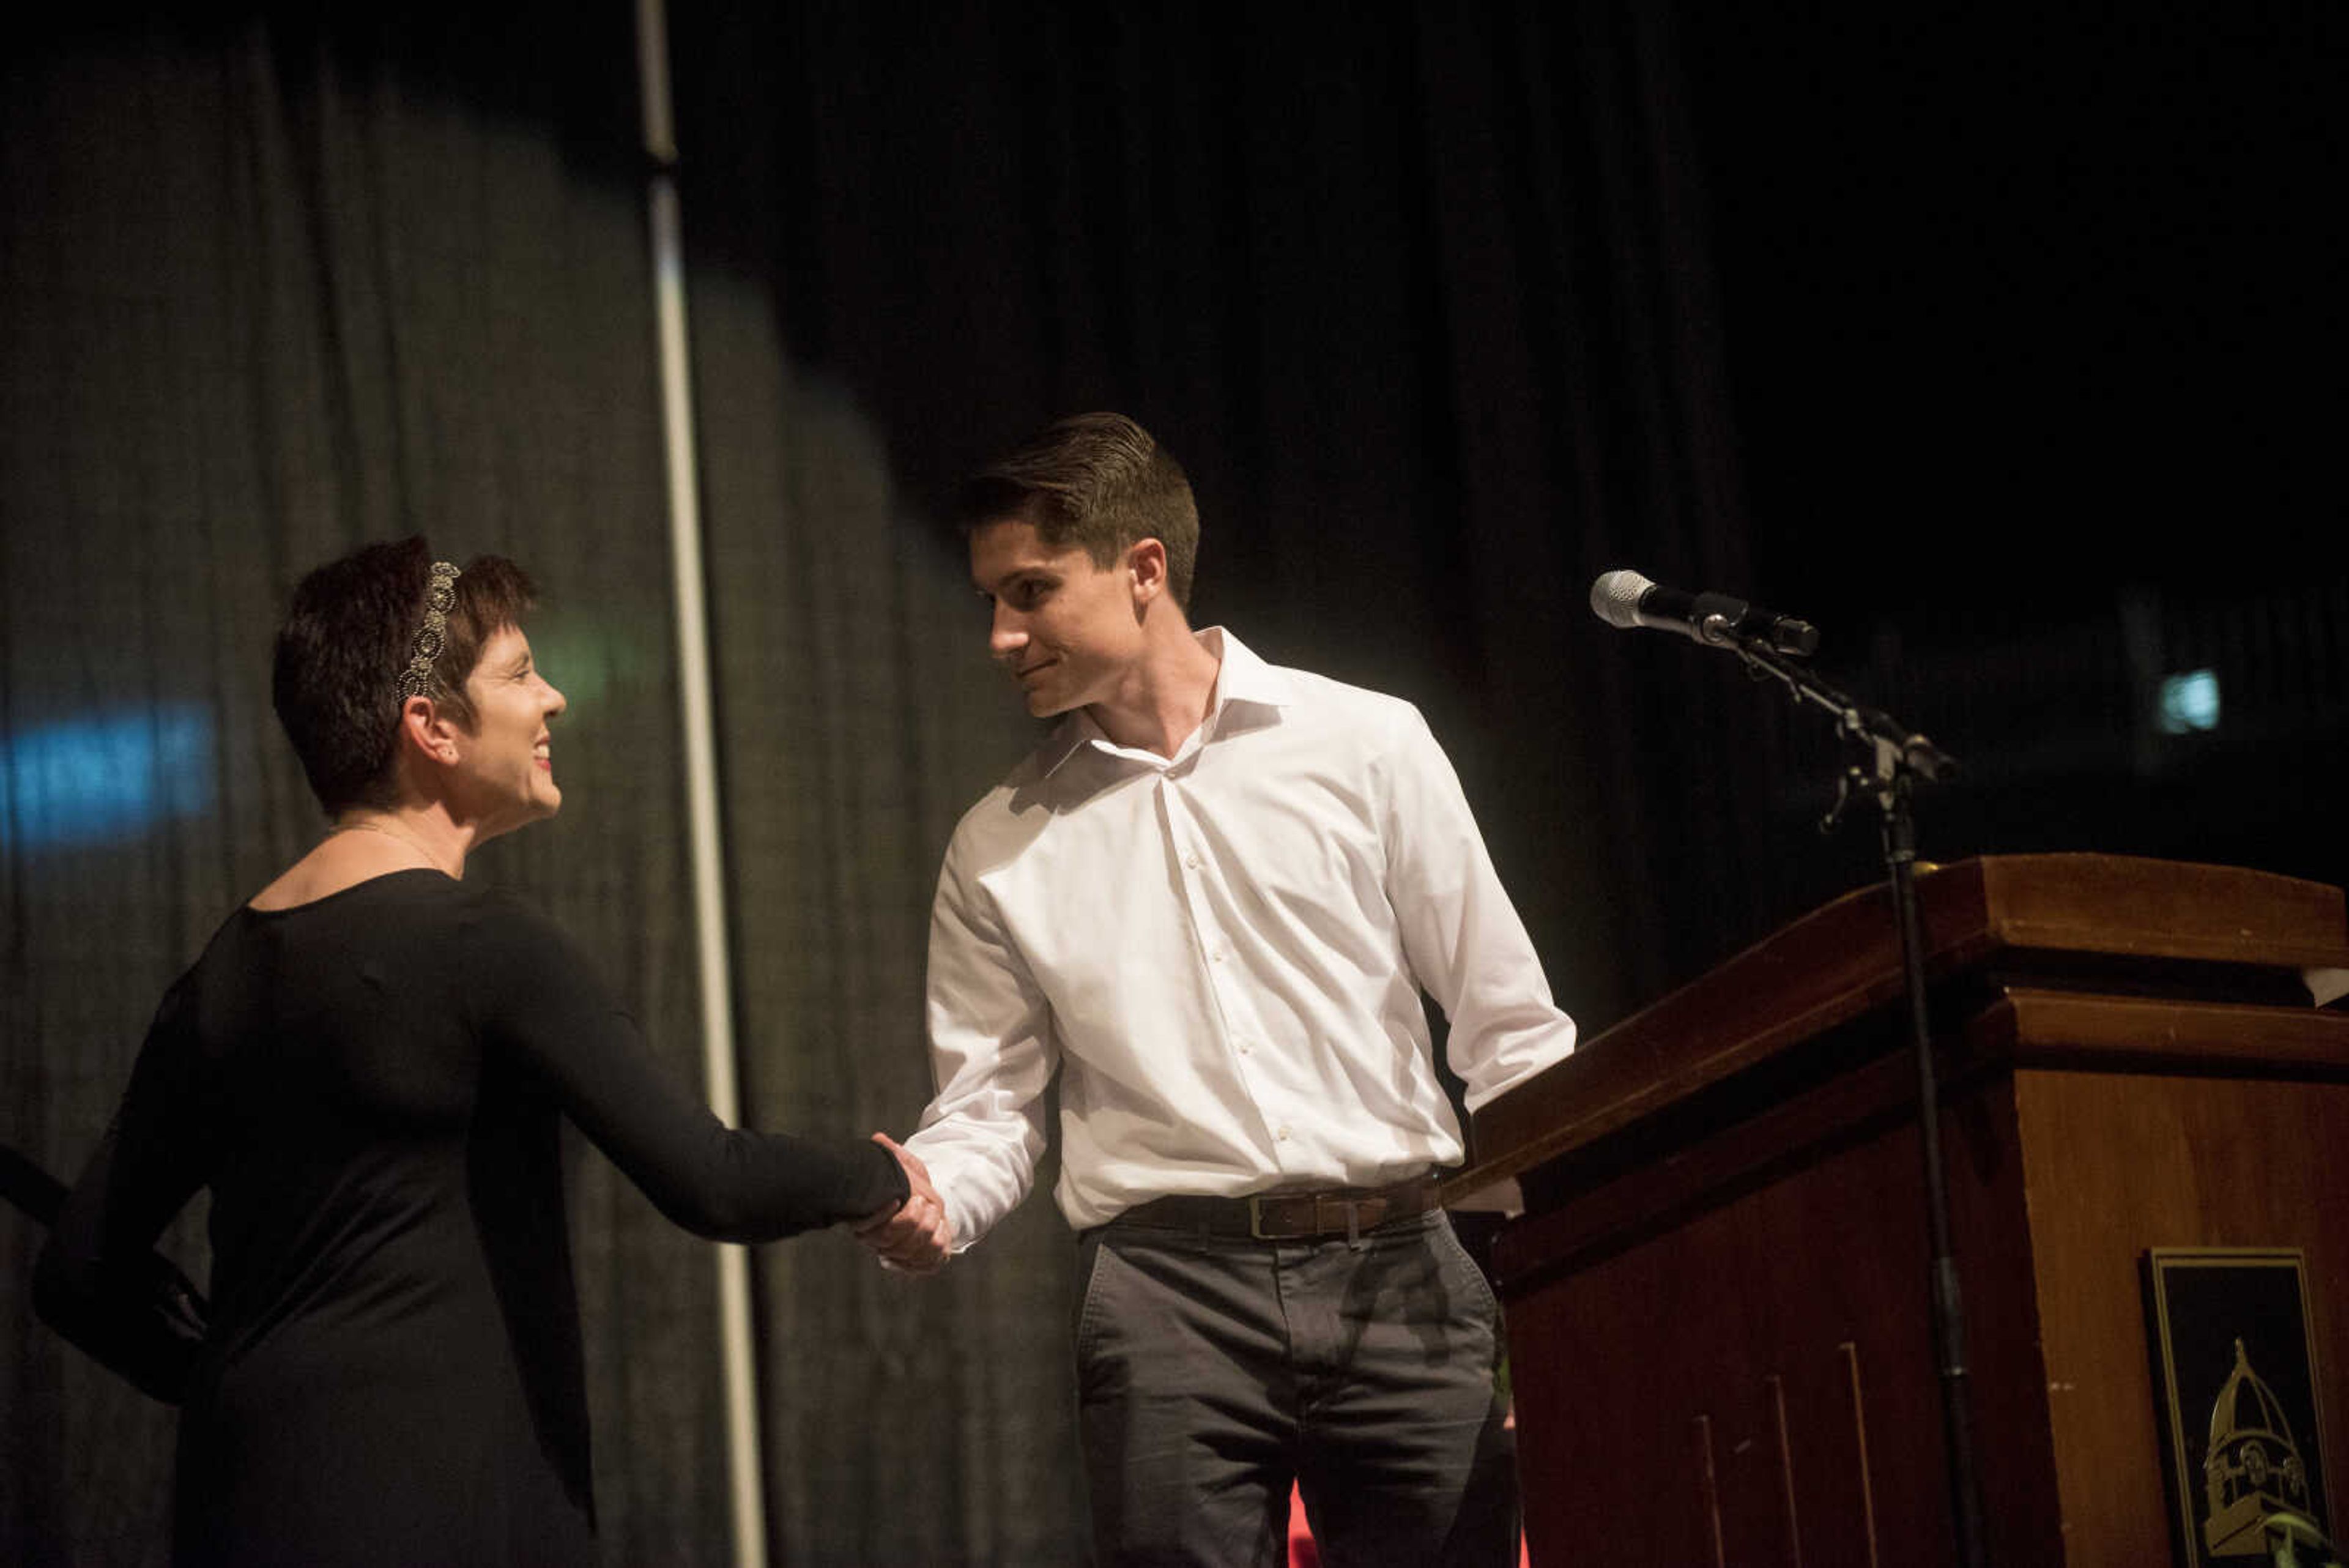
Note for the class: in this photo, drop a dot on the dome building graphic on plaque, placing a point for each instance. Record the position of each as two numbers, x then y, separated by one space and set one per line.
2237 1383
2253 1468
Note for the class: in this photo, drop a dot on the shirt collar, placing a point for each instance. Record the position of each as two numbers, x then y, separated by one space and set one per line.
1241 677
1244 677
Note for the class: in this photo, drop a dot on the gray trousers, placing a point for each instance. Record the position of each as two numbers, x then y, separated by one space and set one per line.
1213 1372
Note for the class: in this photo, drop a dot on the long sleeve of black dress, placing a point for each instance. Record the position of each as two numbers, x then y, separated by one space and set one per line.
541 1006
96 1280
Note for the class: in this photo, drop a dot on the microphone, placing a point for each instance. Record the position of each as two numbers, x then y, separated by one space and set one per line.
1626 600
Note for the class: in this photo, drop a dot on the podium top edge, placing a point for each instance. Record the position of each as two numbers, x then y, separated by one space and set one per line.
1843 959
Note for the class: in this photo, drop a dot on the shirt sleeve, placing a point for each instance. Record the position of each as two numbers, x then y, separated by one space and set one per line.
991 1056
99 1282
538 997
1461 934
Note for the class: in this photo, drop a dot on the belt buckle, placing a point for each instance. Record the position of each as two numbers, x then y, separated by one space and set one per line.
1255 1219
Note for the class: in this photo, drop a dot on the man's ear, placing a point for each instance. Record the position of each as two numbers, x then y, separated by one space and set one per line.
432 732
1147 563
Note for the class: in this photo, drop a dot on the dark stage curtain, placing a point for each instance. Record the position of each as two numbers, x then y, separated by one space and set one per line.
268 289
1421 297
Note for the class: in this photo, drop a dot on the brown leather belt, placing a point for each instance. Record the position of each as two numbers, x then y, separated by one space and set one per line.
1289 1216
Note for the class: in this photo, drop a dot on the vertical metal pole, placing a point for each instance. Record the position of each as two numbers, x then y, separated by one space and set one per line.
744 1465
1964 1477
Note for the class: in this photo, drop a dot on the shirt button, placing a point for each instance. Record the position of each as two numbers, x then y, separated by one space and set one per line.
1219 955
1283 1135
1192 861
1246 1048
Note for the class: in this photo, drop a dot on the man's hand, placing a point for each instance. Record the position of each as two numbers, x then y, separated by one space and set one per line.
916 1236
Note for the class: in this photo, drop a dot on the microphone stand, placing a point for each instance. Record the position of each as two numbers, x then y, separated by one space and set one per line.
1886 758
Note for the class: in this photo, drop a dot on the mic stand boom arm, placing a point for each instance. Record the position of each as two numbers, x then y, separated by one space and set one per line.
1886 758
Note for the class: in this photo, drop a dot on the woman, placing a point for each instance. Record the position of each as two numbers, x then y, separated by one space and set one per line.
366 1066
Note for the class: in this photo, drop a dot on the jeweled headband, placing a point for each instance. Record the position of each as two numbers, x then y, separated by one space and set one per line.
415 681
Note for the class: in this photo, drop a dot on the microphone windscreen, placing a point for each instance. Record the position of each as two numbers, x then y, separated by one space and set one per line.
1614 598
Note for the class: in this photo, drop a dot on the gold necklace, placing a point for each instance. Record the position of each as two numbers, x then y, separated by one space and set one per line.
363 825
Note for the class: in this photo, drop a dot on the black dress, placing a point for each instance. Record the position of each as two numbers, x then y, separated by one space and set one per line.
370 1085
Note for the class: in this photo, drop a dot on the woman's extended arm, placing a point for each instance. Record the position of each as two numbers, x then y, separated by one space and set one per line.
540 999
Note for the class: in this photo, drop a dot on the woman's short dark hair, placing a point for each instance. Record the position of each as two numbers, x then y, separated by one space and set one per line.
348 635
1097 481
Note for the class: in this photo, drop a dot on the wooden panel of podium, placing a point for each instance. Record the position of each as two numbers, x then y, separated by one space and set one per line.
1717 1298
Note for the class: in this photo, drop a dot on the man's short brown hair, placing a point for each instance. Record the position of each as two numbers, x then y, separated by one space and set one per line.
1098 482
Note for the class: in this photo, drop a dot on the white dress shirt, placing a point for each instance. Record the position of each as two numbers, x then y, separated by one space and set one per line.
1223 953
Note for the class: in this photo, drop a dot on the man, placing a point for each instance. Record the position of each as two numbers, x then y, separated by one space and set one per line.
1210 901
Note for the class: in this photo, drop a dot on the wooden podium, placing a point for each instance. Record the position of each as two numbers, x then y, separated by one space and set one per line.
1717 1298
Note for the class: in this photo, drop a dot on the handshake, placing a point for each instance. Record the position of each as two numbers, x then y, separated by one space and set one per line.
916 1236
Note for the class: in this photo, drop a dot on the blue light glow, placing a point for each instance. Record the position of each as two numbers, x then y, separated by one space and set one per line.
111 777
2189 702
